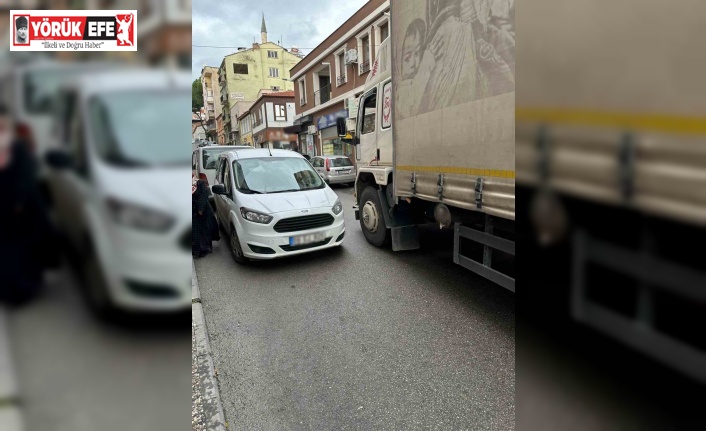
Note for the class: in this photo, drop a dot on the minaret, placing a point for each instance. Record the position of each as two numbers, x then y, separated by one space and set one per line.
263 30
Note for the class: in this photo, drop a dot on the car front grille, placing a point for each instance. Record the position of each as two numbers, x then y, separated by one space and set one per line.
305 246
295 224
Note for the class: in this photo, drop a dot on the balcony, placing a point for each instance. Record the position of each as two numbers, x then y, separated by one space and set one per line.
365 66
323 95
341 80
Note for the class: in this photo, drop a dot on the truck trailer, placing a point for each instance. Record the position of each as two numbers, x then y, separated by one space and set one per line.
435 133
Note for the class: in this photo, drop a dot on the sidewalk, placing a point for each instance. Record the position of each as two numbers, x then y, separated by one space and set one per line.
10 414
206 409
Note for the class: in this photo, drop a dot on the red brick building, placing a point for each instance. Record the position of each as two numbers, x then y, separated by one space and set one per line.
332 76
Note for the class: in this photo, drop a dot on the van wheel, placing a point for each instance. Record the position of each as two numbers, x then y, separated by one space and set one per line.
372 221
95 288
236 250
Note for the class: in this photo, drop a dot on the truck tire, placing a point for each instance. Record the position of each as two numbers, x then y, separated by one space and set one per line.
372 221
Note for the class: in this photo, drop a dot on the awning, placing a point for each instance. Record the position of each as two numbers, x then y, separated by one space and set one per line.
297 128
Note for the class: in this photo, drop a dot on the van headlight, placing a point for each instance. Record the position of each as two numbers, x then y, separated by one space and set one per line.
138 217
337 207
255 216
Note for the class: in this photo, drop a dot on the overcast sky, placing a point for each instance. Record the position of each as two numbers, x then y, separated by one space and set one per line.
304 23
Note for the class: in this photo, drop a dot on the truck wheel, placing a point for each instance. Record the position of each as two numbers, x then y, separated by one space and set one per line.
372 221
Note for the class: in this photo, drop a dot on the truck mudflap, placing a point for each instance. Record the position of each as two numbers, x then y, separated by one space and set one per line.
356 211
405 235
489 242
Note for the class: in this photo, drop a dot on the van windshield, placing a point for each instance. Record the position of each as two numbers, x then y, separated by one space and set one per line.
140 128
210 157
275 175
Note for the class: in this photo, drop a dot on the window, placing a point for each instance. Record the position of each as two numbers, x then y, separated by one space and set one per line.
364 54
272 54
368 112
226 178
384 31
275 88
210 93
241 69
280 113
274 72
341 69
302 92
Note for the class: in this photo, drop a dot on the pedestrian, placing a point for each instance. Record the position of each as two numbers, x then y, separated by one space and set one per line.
204 227
27 238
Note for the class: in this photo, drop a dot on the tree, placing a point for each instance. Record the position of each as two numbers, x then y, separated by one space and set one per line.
196 95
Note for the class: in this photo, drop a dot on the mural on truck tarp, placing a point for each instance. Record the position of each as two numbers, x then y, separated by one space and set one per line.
452 52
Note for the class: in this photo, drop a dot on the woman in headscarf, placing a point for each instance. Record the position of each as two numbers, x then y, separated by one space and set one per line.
204 227
27 238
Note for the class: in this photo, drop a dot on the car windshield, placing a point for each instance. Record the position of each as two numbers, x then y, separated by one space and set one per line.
138 128
340 162
210 157
275 175
40 88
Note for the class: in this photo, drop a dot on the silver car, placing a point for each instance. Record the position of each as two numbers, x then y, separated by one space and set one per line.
334 169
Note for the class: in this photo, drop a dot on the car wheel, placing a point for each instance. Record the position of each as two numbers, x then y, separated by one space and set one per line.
95 286
236 250
372 221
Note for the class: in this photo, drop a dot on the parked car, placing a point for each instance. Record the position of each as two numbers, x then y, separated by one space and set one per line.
204 158
28 89
272 204
334 169
119 188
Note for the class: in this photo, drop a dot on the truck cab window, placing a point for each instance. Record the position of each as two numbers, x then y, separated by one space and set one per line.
368 111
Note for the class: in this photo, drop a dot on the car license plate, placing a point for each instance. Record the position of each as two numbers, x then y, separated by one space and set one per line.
306 239
345 172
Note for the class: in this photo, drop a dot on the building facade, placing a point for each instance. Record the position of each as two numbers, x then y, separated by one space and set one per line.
245 126
220 130
270 114
209 83
243 74
328 81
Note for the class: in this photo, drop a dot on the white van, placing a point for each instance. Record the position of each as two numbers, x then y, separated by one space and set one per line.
120 187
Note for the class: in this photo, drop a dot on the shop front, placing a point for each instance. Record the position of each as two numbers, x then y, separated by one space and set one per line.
275 139
331 144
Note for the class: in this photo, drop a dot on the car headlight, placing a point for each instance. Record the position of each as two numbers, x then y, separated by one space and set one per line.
254 216
337 207
139 217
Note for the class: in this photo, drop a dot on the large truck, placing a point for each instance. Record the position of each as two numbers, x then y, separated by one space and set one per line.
611 172
434 133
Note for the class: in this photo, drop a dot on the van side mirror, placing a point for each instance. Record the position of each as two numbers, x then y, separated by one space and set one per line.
341 127
219 189
58 159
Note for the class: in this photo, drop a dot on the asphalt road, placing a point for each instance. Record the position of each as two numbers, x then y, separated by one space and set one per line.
76 374
360 338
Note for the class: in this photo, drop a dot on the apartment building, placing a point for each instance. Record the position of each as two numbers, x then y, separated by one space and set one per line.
329 79
270 114
243 74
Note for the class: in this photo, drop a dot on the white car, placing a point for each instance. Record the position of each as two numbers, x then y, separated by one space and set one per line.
272 204
119 186
203 161
28 90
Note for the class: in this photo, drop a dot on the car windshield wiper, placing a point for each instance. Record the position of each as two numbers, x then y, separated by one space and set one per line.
251 192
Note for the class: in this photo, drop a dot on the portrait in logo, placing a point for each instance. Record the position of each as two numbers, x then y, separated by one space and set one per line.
455 51
21 30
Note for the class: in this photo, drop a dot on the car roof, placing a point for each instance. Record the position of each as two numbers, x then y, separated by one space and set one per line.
332 157
256 153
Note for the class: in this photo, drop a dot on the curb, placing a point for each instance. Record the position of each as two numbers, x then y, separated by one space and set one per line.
213 409
10 413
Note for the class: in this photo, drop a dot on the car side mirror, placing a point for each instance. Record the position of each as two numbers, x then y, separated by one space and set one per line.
219 189
58 159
